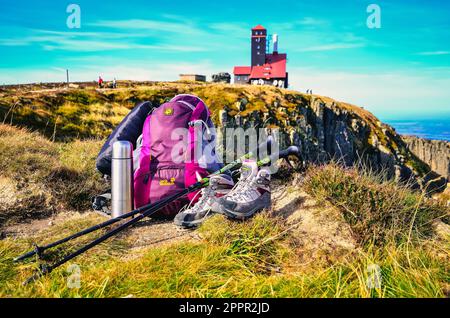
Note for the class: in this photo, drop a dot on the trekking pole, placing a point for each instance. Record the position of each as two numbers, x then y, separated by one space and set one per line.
38 250
293 150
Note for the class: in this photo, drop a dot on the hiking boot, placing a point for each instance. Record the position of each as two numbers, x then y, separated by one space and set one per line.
251 194
192 216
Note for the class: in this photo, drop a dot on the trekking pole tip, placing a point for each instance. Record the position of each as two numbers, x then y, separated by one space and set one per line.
36 251
38 274
23 256
31 279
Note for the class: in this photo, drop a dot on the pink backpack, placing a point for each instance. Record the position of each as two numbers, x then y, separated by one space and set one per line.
171 156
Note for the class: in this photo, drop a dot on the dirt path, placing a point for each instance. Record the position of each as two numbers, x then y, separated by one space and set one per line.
145 233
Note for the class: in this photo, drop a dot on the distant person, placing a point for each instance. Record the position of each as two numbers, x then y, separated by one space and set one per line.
100 82
114 84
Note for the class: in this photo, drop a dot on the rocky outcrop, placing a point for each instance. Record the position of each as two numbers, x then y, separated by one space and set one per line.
436 153
325 129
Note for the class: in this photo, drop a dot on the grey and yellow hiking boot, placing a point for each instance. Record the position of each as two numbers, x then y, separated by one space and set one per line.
251 194
193 216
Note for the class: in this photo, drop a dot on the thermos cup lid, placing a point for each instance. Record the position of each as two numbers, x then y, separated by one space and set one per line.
122 150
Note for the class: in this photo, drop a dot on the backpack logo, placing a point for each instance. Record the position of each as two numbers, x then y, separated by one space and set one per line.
166 182
168 111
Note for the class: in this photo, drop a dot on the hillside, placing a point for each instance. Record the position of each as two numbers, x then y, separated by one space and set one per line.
335 230
323 128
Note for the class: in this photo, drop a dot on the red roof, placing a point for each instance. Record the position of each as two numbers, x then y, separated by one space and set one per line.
275 67
242 70
259 27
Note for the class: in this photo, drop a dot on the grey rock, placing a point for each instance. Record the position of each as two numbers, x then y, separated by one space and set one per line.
325 131
221 78
435 153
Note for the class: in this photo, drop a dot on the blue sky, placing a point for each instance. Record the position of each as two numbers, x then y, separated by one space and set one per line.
401 70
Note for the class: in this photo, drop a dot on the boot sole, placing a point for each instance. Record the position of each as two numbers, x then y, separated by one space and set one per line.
192 224
241 216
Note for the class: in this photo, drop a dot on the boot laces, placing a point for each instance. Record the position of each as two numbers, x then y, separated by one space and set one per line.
238 187
247 192
206 196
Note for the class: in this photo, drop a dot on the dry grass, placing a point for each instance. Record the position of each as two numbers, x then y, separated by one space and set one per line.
378 210
233 259
256 258
39 177
387 227
256 245
444 197
87 112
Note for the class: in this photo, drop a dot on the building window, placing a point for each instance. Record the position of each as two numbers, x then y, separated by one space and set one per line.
258 40
238 78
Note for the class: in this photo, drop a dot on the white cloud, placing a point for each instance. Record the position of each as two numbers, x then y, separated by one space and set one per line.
236 29
144 71
85 46
434 53
310 21
313 35
93 41
83 34
93 46
58 69
389 94
332 47
177 30
149 25
44 36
